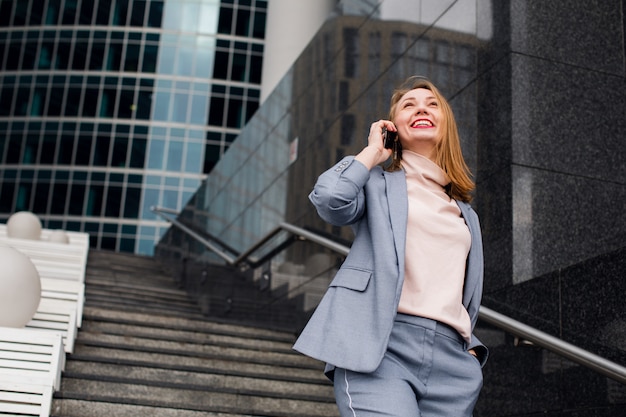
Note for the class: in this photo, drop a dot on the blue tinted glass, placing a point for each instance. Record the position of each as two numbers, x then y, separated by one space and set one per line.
175 156
156 154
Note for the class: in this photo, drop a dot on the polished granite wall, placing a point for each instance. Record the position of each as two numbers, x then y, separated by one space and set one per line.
551 196
539 90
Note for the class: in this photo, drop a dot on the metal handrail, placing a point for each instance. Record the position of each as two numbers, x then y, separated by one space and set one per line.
553 344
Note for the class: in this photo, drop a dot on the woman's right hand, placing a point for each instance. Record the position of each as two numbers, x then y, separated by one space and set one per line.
375 152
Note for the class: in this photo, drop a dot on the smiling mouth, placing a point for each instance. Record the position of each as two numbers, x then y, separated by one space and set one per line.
422 123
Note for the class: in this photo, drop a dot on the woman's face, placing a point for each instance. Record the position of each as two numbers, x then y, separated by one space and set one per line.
419 120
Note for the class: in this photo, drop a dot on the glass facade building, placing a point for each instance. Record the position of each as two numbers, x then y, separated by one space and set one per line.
110 107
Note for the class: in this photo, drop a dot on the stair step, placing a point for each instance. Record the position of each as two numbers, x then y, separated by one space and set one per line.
198 324
199 398
67 407
129 342
181 335
268 385
175 361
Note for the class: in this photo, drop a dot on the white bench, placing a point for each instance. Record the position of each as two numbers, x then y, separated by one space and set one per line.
67 295
31 363
56 260
24 400
29 356
52 317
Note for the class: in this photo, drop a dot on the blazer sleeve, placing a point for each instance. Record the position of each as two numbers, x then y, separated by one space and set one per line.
338 193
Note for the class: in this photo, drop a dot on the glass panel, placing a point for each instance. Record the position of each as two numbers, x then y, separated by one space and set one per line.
157 154
138 13
208 17
113 202
131 202
194 157
175 156
120 151
198 114
77 198
86 12
83 150
59 195
138 153
156 14
180 105
167 58
172 15
95 197
225 22
149 58
161 106
131 62
101 152
69 12
189 16
243 22
73 101
120 13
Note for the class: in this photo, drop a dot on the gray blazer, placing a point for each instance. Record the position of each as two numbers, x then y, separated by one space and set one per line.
351 326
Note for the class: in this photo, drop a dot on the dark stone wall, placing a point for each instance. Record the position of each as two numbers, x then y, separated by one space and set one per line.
551 196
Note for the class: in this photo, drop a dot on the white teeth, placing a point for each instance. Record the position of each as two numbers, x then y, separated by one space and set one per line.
422 123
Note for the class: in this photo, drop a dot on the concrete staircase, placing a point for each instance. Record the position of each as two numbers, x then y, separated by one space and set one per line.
144 349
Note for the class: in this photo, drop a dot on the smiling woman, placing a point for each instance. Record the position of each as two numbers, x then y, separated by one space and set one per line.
413 279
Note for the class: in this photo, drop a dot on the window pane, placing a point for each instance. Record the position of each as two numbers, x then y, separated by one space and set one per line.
86 12
94 200
175 156
83 150
40 197
157 153
59 195
156 14
127 104
138 153
131 202
101 154
114 200
66 148
77 197
73 101
139 10
97 56
198 109
48 148
120 12
194 157
131 63
180 107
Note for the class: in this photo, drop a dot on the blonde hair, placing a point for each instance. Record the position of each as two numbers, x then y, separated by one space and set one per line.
448 151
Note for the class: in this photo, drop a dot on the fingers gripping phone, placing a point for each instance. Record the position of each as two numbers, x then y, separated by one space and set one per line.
389 138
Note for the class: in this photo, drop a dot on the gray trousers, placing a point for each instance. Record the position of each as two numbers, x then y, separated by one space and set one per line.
426 372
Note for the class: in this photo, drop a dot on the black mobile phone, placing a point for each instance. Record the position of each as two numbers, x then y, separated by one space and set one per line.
389 138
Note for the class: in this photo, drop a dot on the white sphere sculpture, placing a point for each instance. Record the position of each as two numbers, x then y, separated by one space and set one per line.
24 225
59 236
20 288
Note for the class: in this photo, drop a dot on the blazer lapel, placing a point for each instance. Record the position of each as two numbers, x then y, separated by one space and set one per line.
398 211
470 278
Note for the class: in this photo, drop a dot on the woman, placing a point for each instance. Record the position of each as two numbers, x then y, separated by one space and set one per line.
395 325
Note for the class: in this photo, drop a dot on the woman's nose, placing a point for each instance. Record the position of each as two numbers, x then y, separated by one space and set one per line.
421 110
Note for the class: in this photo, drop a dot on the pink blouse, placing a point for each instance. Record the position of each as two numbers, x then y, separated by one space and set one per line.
437 244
